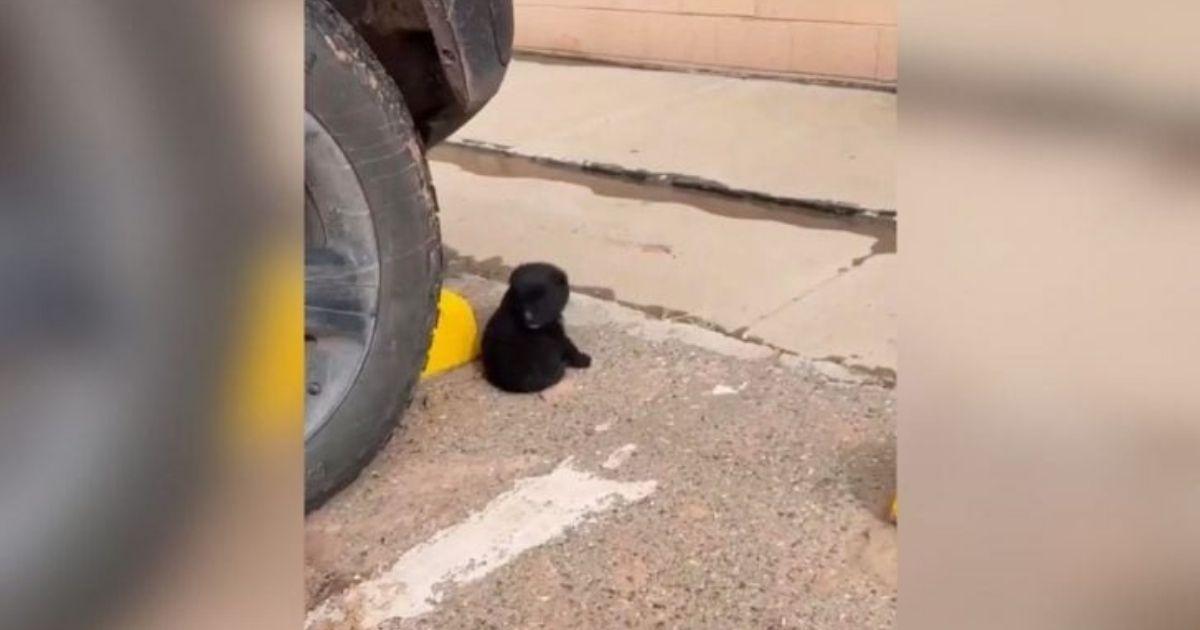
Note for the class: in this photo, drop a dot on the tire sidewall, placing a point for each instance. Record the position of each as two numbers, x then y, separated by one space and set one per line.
347 90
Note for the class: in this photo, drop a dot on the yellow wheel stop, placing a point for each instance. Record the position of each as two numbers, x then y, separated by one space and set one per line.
456 336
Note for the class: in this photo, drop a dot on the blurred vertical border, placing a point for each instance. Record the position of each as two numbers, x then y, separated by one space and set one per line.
150 324
1049 425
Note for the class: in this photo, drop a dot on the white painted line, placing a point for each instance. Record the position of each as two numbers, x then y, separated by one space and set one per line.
536 511
619 457
725 390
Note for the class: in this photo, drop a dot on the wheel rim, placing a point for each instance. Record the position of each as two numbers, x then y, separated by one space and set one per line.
341 276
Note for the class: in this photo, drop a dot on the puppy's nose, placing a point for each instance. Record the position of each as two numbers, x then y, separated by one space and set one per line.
528 317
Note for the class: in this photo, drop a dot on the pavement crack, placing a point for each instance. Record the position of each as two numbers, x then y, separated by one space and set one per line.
459 152
885 375
796 300
495 269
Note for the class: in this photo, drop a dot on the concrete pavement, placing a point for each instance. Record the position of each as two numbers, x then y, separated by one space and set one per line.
762 209
819 144
686 480
804 281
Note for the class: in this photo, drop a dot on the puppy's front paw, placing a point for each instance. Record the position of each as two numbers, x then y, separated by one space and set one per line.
581 360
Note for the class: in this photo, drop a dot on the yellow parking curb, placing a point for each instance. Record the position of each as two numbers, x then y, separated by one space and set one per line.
455 338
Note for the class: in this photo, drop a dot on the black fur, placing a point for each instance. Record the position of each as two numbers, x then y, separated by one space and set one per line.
525 348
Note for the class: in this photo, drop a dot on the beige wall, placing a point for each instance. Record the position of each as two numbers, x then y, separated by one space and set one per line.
842 39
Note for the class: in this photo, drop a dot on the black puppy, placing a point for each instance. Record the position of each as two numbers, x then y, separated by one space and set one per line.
525 348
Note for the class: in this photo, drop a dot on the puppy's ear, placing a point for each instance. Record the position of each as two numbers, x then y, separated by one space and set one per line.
560 277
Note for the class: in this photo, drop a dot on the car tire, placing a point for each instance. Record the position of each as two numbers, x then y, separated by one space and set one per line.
351 100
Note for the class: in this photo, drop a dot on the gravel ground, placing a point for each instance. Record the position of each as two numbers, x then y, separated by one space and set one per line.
770 482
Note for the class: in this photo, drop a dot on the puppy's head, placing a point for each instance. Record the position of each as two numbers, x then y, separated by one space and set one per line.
539 293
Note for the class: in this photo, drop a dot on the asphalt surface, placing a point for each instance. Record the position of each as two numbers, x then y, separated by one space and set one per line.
686 480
